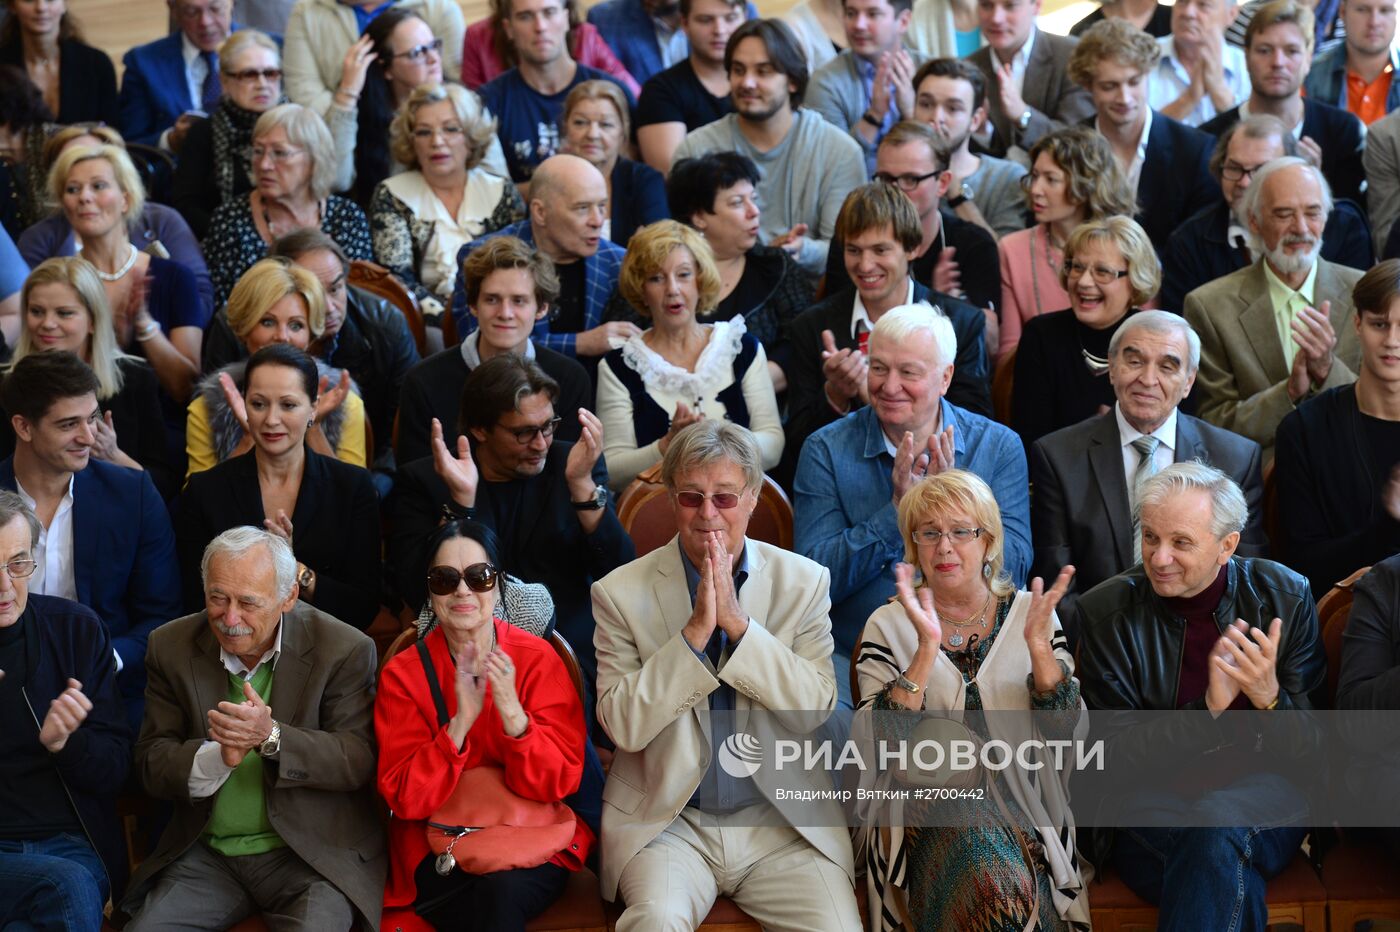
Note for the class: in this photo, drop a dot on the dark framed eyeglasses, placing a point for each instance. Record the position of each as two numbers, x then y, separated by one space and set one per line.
723 500
480 577
524 435
1234 171
905 183
270 75
21 569
418 51
1102 273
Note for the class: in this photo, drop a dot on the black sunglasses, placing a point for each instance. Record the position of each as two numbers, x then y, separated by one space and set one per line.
480 577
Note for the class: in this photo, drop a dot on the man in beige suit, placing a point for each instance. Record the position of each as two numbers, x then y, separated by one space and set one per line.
1278 331
714 623
259 730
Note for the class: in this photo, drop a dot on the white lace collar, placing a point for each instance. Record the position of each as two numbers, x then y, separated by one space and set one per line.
714 369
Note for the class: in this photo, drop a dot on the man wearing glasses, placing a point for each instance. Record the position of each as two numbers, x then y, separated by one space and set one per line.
65 746
172 82
1215 242
704 633
546 499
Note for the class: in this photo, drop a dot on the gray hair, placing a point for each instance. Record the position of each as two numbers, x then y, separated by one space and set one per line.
1163 324
707 442
1250 203
1228 511
900 323
237 541
13 505
306 130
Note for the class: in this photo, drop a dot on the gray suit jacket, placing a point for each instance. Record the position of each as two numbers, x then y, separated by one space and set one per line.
1082 516
1054 100
1244 376
1381 158
653 692
838 94
320 794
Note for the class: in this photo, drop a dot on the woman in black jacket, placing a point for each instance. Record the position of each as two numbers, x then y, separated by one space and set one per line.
77 81
327 509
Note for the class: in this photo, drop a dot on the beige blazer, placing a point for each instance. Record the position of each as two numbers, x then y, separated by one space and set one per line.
652 689
320 794
1243 377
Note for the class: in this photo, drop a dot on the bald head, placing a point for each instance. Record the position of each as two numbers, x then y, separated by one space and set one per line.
568 206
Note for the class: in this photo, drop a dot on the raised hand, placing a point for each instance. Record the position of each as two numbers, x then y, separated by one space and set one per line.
66 712
941 454
901 72
947 276
728 614
1255 657
1312 329
1310 150
880 87
355 66
791 241
236 405
918 606
281 525
845 372
330 397
458 473
1012 104
909 467
578 469
470 685
499 670
703 618
599 341
682 419
1390 493
1040 625
1221 688
241 725
104 439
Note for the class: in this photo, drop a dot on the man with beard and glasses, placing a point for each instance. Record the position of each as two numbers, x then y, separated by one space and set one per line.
808 165
951 96
1279 331
1278 54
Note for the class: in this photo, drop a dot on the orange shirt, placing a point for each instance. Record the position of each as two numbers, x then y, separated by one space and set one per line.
1367 101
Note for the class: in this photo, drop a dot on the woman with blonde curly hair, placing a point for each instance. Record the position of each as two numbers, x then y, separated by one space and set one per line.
679 371
960 638
1110 271
275 301
420 218
1074 177
63 307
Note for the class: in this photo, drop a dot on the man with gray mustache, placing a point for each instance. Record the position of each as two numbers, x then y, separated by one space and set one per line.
1276 332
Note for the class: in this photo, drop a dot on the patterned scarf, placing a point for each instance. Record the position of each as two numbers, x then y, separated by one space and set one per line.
232 129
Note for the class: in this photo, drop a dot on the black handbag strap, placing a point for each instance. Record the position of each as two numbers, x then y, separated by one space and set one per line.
433 684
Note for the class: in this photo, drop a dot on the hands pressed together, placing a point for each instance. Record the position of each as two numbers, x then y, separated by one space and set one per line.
716 600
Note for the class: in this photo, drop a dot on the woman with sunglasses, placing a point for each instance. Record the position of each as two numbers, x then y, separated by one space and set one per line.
960 638
214 166
510 704
327 510
679 371
1110 271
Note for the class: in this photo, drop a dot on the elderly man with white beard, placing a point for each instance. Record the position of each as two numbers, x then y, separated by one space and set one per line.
1277 332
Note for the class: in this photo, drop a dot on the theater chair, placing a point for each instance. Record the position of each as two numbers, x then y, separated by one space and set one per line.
646 514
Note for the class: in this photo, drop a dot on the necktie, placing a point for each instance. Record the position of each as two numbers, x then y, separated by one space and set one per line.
1145 446
210 93
863 338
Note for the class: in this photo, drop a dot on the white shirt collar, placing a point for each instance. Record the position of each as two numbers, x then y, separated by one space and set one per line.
188 49
859 313
1127 433
472 356
1141 155
235 666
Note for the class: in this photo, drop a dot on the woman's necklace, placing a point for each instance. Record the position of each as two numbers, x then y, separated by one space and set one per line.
1049 260
978 617
120 273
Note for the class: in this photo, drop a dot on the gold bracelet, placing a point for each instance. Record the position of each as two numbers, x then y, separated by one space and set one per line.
1273 705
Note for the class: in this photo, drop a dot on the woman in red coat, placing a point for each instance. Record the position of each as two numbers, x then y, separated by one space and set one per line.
511 704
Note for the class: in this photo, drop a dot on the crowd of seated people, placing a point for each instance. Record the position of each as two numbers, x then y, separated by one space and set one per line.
1067 352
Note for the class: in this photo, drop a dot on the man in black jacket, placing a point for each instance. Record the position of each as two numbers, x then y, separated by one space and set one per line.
1197 628
879 229
64 748
546 499
1213 242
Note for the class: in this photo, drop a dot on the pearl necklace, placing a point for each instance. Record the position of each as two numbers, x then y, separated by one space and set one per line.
120 273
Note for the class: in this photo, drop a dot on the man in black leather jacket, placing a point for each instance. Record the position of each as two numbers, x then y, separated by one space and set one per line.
1195 627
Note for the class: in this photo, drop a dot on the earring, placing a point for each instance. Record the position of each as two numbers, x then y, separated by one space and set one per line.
987 570
311 423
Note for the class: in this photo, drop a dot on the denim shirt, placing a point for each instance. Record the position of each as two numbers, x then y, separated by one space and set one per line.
845 519
1327 79
718 791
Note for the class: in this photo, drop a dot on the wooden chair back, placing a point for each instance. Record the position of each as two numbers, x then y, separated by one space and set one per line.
645 513
1333 610
379 281
1002 387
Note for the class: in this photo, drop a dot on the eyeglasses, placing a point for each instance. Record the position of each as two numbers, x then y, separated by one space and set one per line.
21 569
1102 273
192 13
480 577
723 500
524 435
418 51
905 183
1234 171
270 75
959 535
450 133
278 156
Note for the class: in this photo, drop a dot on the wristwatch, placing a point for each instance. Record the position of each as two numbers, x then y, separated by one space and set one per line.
306 577
273 744
964 195
597 503
870 118
908 685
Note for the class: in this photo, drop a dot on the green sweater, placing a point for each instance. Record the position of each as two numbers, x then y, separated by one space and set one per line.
239 823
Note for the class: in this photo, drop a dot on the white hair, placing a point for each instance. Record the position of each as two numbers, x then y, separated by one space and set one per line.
1249 205
1163 324
901 323
1228 510
237 541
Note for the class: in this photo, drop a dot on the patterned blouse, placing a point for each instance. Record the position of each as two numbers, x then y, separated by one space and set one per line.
234 244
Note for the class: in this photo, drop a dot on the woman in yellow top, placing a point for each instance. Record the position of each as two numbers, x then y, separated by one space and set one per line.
274 302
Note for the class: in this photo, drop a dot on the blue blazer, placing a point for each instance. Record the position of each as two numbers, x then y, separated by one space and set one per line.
627 28
123 560
155 90
1338 132
600 272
